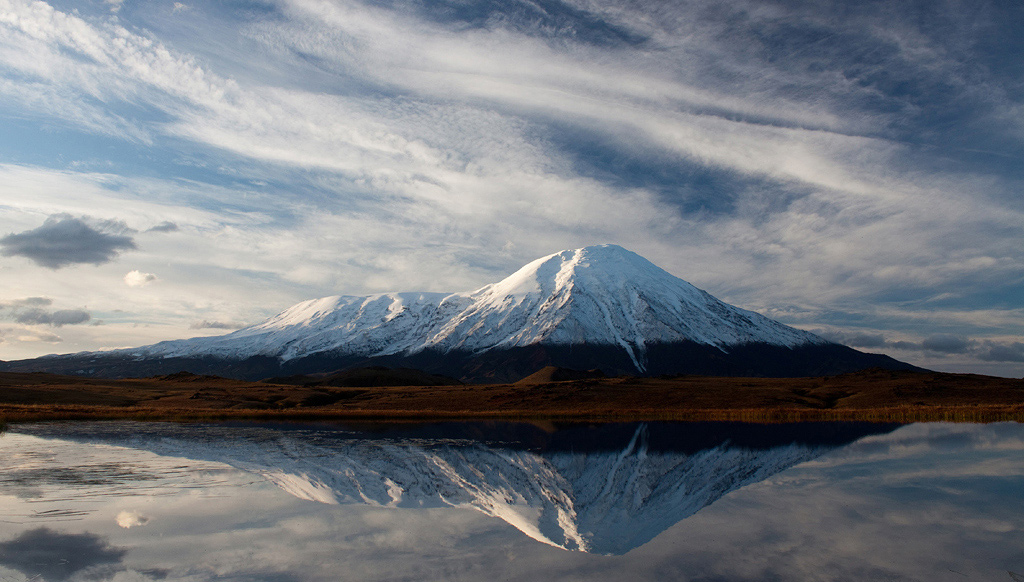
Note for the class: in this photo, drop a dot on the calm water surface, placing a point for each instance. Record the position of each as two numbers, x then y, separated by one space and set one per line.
500 501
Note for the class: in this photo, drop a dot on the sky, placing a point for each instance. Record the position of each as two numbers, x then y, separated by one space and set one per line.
174 169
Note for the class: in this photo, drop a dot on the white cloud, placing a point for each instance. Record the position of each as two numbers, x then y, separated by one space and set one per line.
137 278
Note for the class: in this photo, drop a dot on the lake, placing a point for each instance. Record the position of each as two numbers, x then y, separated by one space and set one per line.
129 501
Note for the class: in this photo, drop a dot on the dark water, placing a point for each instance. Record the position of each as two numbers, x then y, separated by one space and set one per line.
504 501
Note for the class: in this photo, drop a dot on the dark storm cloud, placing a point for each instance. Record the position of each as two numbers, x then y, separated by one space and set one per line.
987 350
903 345
57 556
165 226
855 340
54 318
30 311
995 352
946 343
28 302
67 240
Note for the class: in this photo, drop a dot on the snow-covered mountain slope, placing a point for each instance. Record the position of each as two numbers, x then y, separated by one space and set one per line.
598 501
599 295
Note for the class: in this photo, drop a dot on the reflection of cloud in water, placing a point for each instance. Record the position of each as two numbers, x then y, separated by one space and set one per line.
130 519
911 452
603 490
60 468
57 556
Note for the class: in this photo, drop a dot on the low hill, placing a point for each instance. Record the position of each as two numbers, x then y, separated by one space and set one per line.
556 374
369 376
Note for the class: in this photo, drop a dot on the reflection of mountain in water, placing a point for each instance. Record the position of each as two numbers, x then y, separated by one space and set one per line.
605 489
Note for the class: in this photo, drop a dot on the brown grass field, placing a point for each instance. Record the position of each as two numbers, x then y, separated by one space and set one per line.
872 395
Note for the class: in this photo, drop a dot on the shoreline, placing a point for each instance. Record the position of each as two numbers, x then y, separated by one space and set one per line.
871 395
978 414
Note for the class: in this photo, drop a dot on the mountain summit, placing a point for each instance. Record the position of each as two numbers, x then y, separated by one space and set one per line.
605 295
595 307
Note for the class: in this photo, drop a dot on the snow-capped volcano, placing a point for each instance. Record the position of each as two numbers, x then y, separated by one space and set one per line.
600 295
596 307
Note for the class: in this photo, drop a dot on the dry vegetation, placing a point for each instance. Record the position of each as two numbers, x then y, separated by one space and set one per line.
875 395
